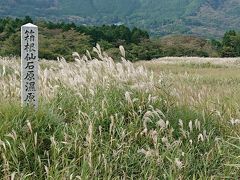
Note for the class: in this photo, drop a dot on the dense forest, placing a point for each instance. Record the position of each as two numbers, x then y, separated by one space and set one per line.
61 39
159 17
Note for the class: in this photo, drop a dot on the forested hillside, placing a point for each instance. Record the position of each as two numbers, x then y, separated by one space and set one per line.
62 39
209 18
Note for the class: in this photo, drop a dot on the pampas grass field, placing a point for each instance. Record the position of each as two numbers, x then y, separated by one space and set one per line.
100 119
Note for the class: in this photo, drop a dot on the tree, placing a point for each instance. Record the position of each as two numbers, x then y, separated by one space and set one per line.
138 35
231 44
227 38
27 19
11 46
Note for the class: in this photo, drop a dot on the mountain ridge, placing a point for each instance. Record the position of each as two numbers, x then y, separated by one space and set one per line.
209 18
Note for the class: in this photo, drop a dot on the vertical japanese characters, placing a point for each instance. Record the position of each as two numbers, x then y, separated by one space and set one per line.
29 65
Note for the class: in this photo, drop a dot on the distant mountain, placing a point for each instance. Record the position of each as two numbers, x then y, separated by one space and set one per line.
210 18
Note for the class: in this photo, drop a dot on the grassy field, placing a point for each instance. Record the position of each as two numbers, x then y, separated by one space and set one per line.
164 119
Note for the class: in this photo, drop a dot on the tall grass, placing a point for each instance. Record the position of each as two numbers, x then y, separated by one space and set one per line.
98 119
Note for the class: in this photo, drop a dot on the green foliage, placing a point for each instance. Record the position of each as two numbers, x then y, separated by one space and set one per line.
66 134
146 50
62 43
114 34
138 35
231 44
160 17
106 120
11 46
61 39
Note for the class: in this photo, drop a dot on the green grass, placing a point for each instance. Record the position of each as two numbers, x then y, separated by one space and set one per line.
202 65
110 130
4 71
61 132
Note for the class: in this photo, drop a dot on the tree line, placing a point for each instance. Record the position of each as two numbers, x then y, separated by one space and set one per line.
61 39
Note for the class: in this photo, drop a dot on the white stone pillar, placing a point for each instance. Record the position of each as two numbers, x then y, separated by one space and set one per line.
29 65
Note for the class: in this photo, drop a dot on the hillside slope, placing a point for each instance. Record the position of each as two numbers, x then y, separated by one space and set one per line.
160 17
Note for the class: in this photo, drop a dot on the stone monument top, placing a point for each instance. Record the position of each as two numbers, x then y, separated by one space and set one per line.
29 25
